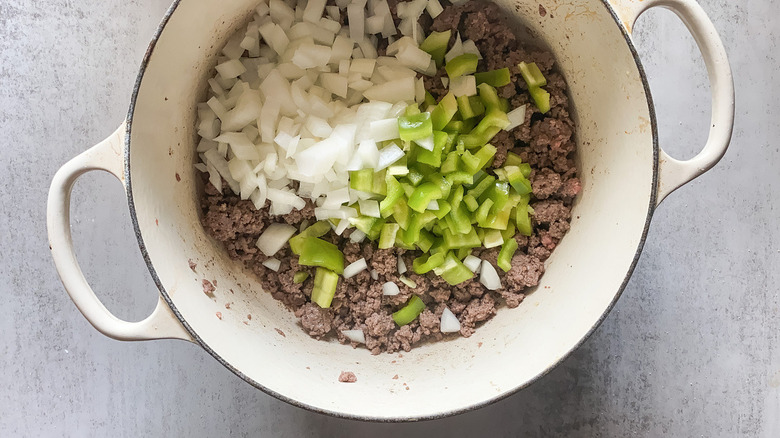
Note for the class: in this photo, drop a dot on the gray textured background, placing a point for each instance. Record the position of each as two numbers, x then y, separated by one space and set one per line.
690 349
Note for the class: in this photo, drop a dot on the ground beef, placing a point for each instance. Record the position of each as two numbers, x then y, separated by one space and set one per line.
546 142
347 377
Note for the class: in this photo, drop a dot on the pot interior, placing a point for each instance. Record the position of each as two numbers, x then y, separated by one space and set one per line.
584 275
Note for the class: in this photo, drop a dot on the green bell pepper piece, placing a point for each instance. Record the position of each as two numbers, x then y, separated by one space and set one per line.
325 284
465 64
457 241
459 178
317 229
426 240
515 177
493 238
471 203
456 272
485 155
394 192
512 159
494 118
387 236
483 186
444 209
433 158
505 255
427 263
450 164
300 276
469 162
470 106
362 180
444 112
510 230
429 101
415 176
494 78
483 211
532 75
463 253
416 224
415 126
363 223
523 220
436 46
460 219
376 229
410 312
541 98
489 96
401 213
412 110
423 195
317 252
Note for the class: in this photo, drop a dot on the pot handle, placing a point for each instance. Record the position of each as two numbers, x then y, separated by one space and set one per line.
674 173
106 156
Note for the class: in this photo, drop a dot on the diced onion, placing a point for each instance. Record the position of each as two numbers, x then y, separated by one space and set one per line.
401 265
390 289
356 336
516 117
374 274
274 238
389 155
272 264
357 236
473 263
489 277
449 322
355 268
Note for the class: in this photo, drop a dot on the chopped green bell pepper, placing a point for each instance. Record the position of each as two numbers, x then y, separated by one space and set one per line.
423 195
427 263
494 78
300 276
493 238
455 272
471 202
483 186
436 46
317 229
416 224
457 241
470 106
512 159
325 284
450 164
465 64
505 255
433 158
489 96
532 75
444 112
410 312
541 98
317 252
523 220
394 192
362 180
444 209
415 126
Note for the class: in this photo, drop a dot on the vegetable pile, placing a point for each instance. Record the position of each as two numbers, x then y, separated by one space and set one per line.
305 110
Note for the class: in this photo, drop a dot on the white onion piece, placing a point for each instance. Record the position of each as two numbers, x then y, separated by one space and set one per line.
456 50
355 268
375 24
471 47
230 69
356 336
516 117
309 55
369 208
449 322
273 264
389 155
473 263
434 8
464 86
433 205
357 236
356 16
426 143
390 289
489 277
383 130
374 274
400 90
274 238
412 57
314 10
401 266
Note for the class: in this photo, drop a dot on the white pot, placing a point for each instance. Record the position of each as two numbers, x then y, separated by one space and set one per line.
624 176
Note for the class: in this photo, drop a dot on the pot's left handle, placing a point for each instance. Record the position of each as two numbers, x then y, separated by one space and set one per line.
106 156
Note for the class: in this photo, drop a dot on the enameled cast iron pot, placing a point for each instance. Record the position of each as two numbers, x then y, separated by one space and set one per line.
624 174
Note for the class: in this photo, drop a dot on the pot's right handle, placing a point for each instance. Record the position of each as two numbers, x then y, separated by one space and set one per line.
675 173
107 156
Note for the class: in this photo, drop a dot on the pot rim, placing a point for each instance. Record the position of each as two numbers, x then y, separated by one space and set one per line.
147 259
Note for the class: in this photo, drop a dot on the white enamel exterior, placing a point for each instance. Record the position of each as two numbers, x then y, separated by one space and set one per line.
618 163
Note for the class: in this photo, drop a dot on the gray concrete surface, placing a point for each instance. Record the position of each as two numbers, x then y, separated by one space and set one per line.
690 350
